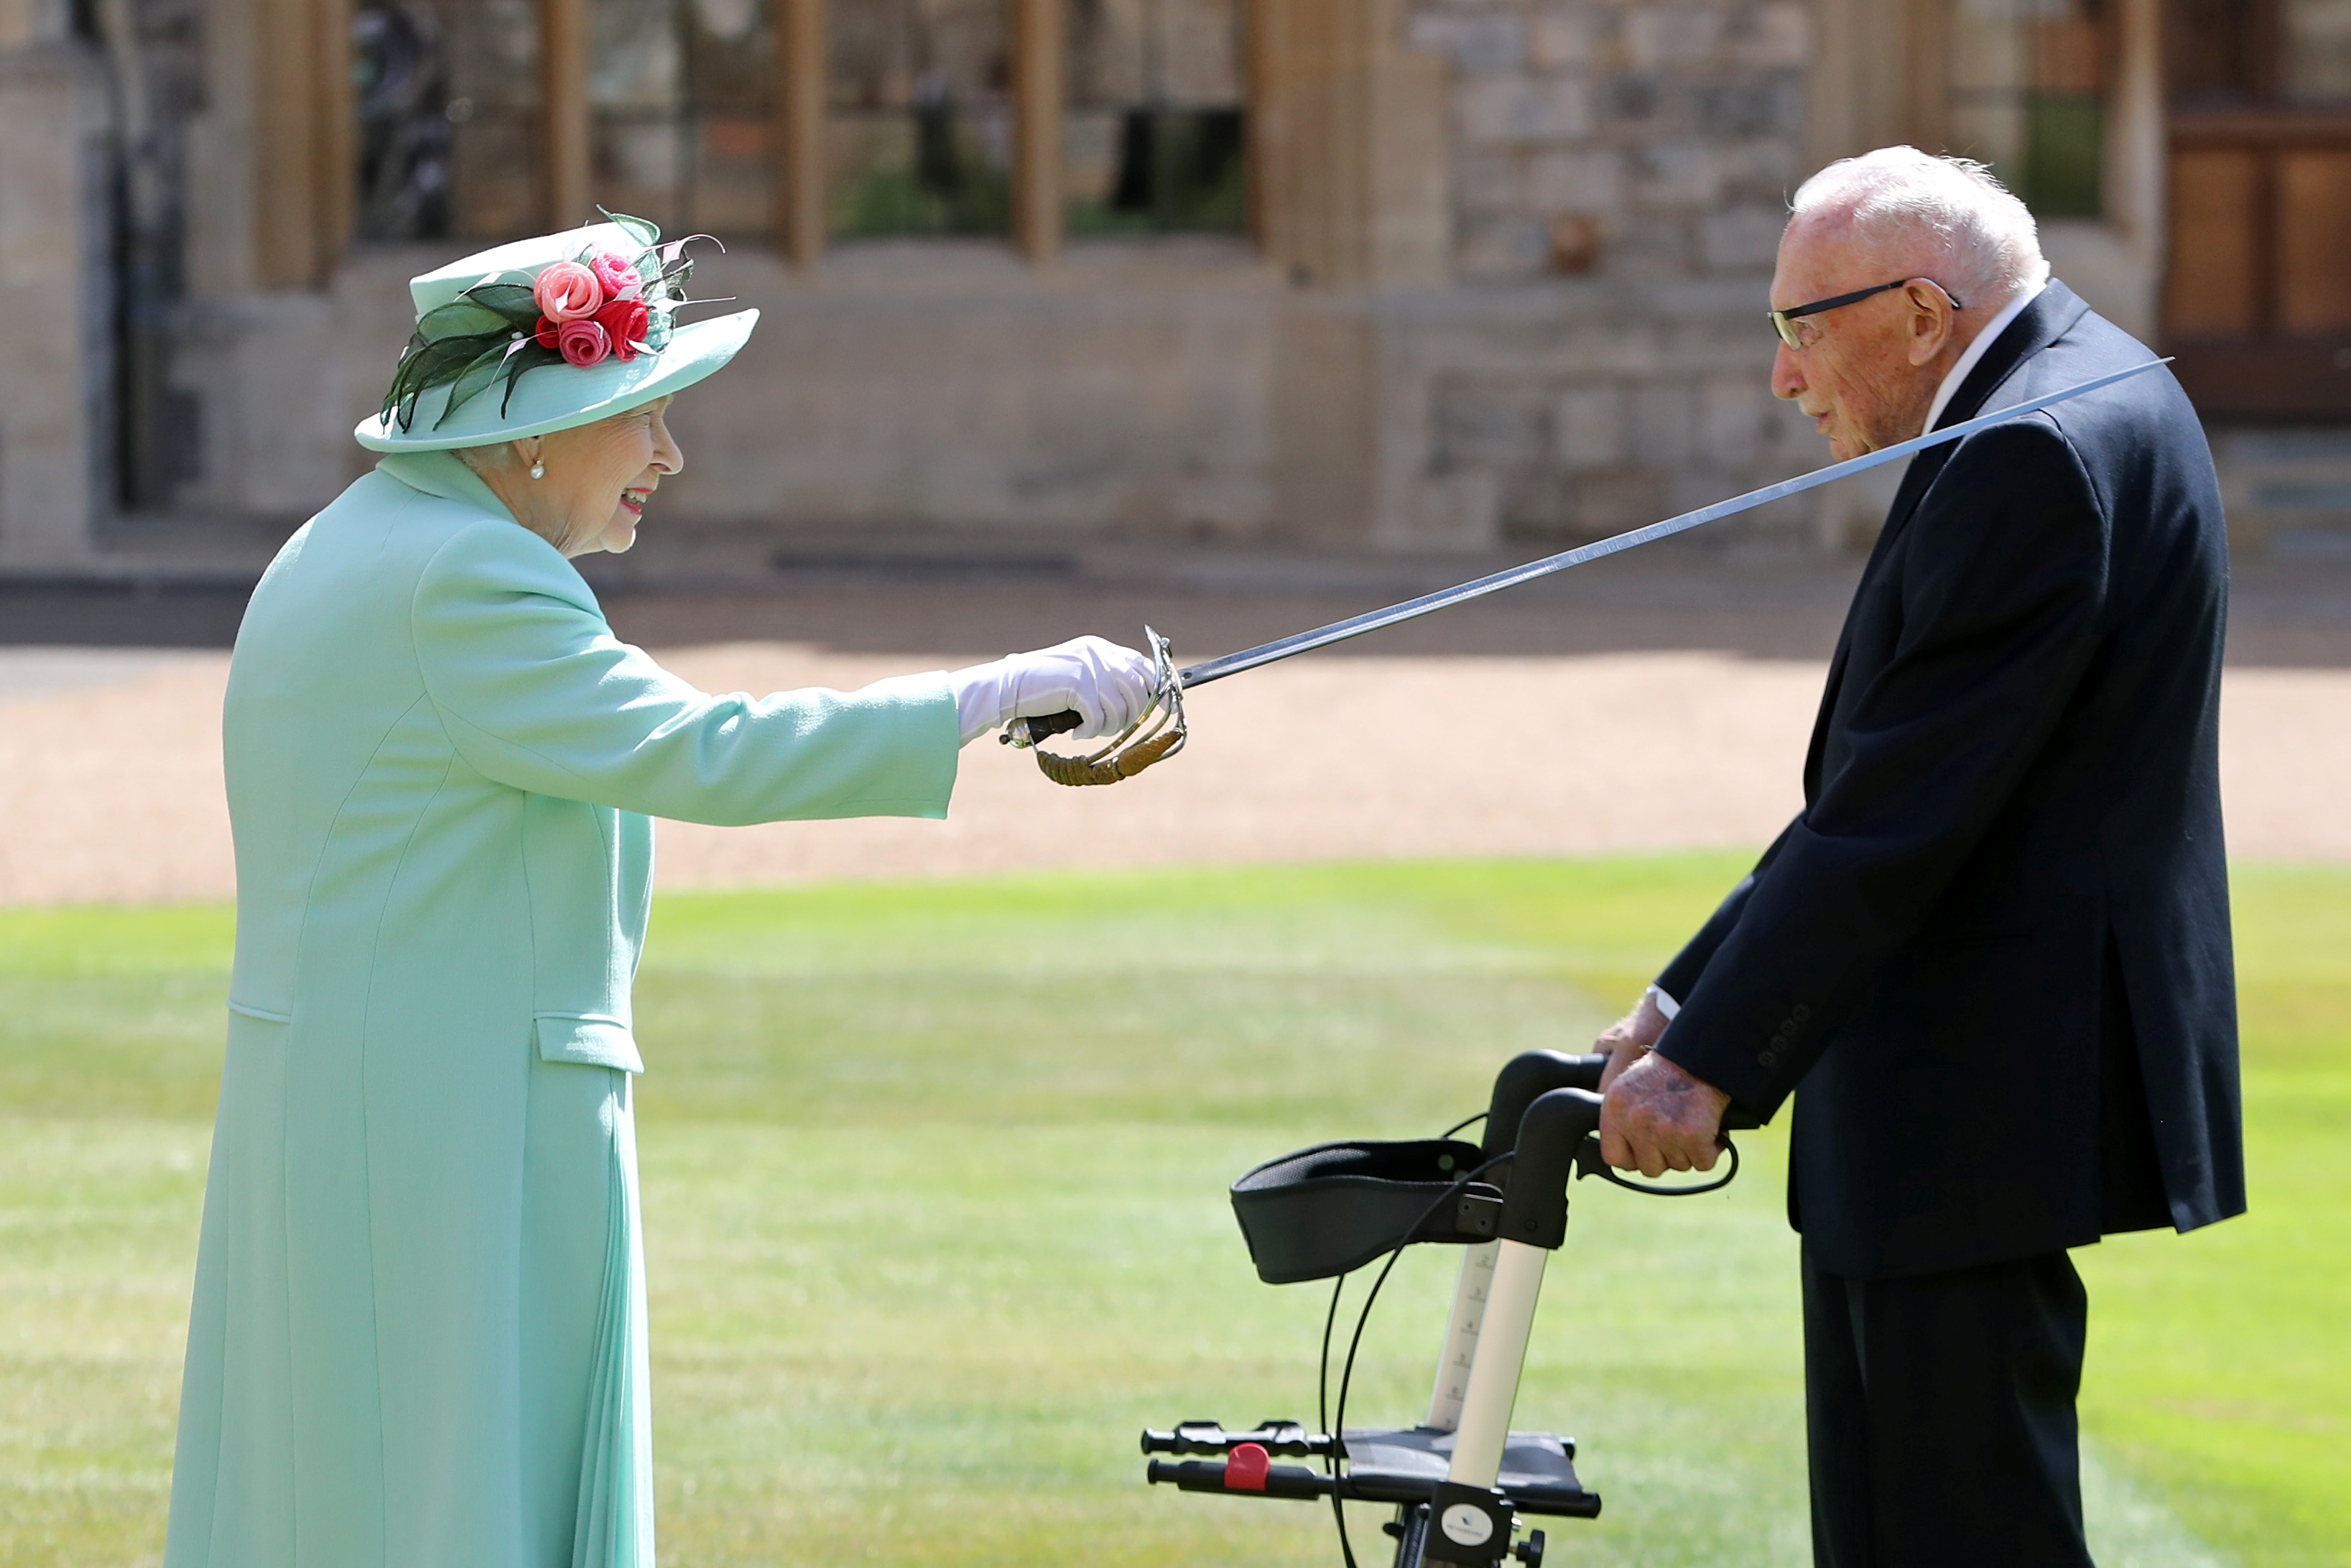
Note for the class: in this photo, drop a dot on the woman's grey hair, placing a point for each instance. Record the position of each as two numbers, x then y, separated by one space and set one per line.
494 458
1946 217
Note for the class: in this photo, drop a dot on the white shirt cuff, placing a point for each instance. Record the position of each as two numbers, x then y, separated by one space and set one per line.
1666 1004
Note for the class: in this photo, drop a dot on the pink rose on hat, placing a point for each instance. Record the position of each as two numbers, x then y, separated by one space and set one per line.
616 276
566 291
582 343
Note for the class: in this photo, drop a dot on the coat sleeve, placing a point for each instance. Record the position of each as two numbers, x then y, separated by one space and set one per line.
537 693
2003 596
1681 977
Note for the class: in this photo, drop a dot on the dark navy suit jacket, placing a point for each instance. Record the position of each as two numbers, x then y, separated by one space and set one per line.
1993 949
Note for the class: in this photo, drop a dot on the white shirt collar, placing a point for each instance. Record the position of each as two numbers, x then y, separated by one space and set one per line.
1975 352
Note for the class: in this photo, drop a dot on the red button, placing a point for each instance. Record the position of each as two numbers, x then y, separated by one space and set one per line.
1245 1470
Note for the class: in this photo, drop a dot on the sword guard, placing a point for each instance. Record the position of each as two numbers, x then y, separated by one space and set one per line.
1156 735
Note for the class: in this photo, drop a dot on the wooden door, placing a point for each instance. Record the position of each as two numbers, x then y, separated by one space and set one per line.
2257 295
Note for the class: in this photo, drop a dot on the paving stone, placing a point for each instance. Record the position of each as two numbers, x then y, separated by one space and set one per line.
1486 184
1483 422
1773 37
1742 239
1576 182
1477 41
1521 109
1731 422
1665 425
1590 424
1564 34
1677 174
1658 35
1502 249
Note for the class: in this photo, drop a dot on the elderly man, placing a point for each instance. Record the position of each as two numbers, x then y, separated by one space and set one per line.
1993 949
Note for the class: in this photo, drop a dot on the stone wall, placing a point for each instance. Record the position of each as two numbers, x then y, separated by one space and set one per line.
1628 139
1595 191
57 425
1619 173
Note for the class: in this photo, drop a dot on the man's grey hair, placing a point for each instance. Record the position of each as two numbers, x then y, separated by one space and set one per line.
1946 217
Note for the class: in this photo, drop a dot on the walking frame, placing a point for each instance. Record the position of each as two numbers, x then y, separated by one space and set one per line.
1460 1480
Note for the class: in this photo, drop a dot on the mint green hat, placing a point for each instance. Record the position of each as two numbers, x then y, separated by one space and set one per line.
481 367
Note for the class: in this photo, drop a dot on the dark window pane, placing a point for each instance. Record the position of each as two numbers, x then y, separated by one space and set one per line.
2317 50
918 124
2065 155
2028 97
679 90
447 98
2212 49
1154 138
636 90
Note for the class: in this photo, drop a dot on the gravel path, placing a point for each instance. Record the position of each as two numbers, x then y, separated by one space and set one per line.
110 768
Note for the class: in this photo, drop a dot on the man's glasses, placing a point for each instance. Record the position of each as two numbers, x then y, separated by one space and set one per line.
1790 329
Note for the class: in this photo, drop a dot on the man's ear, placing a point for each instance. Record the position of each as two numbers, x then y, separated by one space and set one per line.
1930 321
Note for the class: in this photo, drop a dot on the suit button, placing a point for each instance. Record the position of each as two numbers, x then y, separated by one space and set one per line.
1787 1026
1802 1012
1767 1058
1779 1042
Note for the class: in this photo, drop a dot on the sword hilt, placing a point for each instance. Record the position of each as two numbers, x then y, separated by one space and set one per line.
1025 732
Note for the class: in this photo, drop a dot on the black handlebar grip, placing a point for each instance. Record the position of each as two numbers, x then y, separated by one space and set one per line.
1525 1078
1735 1120
1053 723
1549 1135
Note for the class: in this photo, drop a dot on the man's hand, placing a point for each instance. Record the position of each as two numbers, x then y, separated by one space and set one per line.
1631 1038
1660 1118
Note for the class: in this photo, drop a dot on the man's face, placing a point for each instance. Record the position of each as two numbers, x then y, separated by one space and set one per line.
1870 370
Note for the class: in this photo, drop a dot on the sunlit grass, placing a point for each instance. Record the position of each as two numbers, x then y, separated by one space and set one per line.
933 1188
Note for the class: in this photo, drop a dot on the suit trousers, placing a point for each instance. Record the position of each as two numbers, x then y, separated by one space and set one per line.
1939 1416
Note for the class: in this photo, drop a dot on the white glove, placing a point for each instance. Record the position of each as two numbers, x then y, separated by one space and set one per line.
1109 686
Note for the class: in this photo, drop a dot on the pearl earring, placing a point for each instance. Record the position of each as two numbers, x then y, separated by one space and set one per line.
538 469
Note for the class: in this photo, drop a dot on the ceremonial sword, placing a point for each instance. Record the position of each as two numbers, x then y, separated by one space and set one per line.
1144 743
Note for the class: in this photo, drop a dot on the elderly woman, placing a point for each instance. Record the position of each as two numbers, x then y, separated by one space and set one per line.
418 1336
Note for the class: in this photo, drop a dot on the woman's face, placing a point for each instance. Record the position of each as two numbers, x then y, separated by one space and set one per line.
598 478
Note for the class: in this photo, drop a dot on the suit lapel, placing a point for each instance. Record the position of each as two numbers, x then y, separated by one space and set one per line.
2037 325
2047 318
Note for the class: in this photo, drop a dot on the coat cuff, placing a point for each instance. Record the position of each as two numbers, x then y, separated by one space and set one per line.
1757 1063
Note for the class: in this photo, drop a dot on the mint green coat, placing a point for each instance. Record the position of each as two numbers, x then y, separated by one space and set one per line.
418 1337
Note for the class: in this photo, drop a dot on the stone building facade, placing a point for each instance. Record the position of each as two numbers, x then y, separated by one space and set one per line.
1490 270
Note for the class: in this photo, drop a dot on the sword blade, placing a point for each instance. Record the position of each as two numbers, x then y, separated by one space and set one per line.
1200 674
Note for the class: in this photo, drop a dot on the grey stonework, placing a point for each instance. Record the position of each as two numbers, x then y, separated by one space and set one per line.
1591 407
1585 352
1676 128
1620 174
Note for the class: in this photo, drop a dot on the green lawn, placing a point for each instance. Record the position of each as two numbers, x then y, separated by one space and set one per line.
934 1181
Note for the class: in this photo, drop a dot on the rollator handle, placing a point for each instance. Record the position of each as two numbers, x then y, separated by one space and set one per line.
1525 1078
1553 1128
1531 1074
